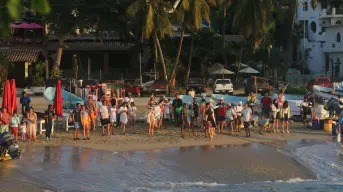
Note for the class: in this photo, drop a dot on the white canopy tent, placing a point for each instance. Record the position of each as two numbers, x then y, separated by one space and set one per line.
249 70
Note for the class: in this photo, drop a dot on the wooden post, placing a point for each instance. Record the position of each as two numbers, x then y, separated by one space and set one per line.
89 68
314 108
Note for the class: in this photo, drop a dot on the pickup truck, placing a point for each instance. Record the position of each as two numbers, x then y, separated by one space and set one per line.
159 86
262 85
223 86
196 84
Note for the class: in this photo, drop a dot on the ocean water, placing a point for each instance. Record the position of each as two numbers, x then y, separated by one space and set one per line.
253 167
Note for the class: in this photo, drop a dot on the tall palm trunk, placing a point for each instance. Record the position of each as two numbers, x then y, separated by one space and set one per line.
173 74
290 37
238 63
161 56
224 26
59 52
190 56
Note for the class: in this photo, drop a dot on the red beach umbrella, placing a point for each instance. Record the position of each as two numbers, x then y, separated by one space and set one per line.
6 99
13 96
58 99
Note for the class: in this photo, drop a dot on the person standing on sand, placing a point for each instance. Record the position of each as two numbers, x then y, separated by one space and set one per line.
230 117
151 121
210 121
177 103
196 109
166 113
104 119
221 111
266 102
247 118
202 112
184 120
25 102
276 115
76 116
203 94
49 116
31 124
85 120
15 124
285 115
113 118
92 107
114 100
238 109
132 117
123 117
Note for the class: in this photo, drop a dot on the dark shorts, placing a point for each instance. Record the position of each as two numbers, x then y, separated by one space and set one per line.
14 130
220 118
246 125
285 117
105 121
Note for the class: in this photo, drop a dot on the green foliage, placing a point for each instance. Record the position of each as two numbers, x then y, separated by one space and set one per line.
55 72
12 10
4 64
37 77
299 90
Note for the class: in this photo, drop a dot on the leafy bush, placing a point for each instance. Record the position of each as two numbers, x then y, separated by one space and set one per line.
299 90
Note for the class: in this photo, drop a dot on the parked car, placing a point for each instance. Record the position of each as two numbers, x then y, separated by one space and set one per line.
223 86
147 86
262 85
159 86
320 81
196 84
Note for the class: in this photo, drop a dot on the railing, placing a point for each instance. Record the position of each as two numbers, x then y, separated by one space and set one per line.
332 47
335 11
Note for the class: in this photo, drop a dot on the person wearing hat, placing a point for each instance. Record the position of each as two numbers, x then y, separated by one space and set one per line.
25 102
221 111
177 103
238 109
230 116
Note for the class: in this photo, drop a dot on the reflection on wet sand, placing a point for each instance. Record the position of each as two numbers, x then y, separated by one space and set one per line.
81 169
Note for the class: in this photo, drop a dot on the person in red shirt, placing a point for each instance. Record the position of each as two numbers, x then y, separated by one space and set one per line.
266 101
221 111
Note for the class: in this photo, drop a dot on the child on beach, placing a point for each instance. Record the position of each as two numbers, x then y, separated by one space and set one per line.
238 109
184 118
202 111
276 114
23 130
264 124
166 113
285 114
132 116
123 110
230 116
170 113
85 121
14 125
158 115
113 118
151 121
161 105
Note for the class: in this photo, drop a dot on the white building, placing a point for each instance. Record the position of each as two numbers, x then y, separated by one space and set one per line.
323 29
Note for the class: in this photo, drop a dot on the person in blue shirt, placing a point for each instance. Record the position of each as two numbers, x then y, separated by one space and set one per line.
25 102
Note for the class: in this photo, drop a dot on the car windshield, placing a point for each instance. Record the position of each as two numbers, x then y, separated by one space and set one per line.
193 81
223 81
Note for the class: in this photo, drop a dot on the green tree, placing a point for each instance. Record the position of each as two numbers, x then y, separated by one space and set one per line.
12 10
190 16
155 22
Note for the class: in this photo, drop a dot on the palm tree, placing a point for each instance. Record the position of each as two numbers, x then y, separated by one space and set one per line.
191 15
154 17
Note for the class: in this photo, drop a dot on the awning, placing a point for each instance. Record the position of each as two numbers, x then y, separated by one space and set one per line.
20 55
80 46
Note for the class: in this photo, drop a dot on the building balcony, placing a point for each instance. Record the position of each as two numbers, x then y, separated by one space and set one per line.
11 40
332 47
331 12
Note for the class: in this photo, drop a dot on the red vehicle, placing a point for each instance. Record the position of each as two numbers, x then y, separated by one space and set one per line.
320 81
159 86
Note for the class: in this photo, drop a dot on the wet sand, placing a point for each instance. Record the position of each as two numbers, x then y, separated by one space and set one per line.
84 169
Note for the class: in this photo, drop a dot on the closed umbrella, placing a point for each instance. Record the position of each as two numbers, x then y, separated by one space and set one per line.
249 70
58 99
6 99
13 96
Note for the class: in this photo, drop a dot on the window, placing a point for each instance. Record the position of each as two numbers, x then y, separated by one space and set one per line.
313 27
338 38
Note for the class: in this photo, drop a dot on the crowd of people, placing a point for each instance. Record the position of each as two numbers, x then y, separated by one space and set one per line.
191 117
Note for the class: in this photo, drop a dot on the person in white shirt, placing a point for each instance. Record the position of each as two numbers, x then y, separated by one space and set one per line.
166 112
247 118
94 97
104 118
123 110
276 115
238 109
191 93
113 118
230 116
128 99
